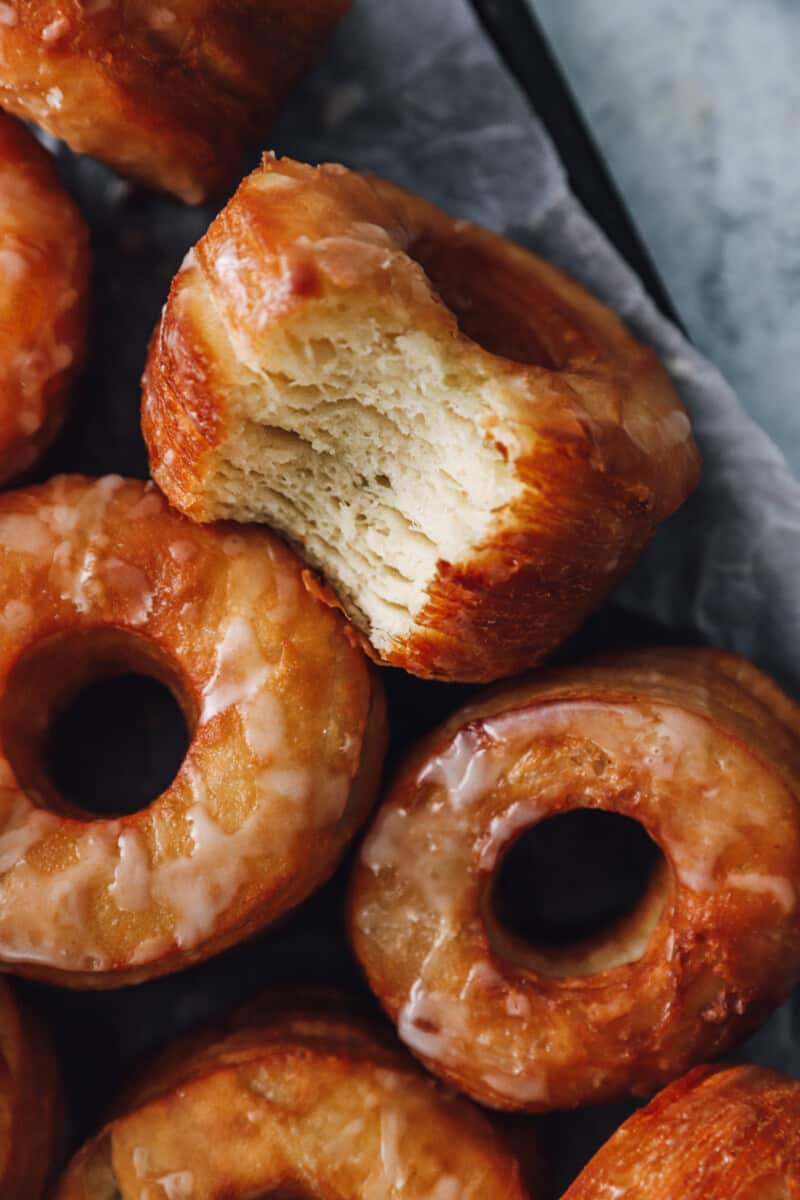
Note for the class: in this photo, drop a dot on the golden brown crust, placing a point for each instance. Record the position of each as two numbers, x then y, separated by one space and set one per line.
44 279
600 445
606 454
698 747
286 719
715 1134
304 1100
170 95
29 1103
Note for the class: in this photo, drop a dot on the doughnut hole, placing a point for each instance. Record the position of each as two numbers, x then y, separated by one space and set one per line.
95 722
491 300
577 894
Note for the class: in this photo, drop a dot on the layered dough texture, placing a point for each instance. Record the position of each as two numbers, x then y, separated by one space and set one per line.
101 578
169 94
297 1101
715 1134
696 746
469 448
44 282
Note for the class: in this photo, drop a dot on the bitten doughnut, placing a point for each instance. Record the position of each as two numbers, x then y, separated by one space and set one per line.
469 447
44 276
100 578
700 749
169 94
29 1103
714 1135
301 1102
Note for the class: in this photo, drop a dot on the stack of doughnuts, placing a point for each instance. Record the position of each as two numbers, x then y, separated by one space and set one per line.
379 436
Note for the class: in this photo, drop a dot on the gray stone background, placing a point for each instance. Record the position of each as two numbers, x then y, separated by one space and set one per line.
696 107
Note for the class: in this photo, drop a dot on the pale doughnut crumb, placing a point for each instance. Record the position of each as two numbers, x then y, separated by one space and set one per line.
428 412
364 443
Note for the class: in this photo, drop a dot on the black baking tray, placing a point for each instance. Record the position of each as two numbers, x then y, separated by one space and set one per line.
513 28
125 738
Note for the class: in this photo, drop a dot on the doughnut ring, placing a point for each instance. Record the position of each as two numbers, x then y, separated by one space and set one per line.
44 269
714 1134
170 95
469 448
29 1103
307 1102
99 578
696 746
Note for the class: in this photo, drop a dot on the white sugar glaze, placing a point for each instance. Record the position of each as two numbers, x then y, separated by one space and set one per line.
503 828
95 539
465 771
780 889
196 887
304 1092
447 1188
240 674
141 1161
177 1185
54 30
490 783
185 859
438 1028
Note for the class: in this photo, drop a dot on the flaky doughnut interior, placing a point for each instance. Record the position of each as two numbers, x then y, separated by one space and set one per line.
363 441
467 446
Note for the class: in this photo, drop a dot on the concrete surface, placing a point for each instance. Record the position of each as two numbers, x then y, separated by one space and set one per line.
696 106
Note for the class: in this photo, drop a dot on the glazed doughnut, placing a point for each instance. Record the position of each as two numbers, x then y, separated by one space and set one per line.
44 277
713 1135
293 1103
29 1103
696 746
168 94
100 578
469 447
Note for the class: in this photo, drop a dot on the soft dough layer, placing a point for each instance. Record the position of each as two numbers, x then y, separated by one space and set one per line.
469 447
44 279
29 1103
700 749
299 1101
170 94
99 578
714 1135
